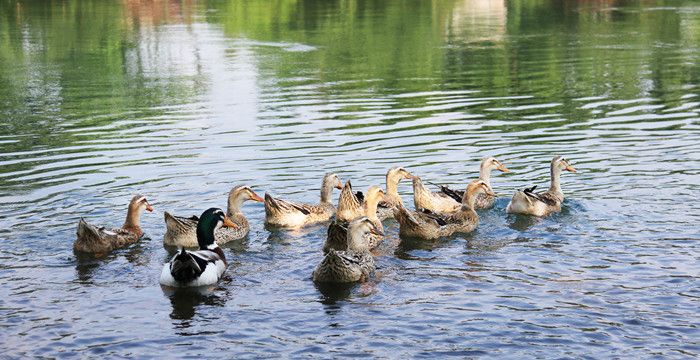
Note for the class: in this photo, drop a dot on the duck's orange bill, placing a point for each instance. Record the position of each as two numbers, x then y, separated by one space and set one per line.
257 198
149 208
229 224
339 186
375 230
570 169
503 168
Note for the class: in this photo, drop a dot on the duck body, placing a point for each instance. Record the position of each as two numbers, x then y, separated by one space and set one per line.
337 230
448 200
428 225
540 204
93 239
201 267
193 268
344 267
355 263
182 231
98 240
289 214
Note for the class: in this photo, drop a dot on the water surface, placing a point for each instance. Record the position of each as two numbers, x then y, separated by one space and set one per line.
183 100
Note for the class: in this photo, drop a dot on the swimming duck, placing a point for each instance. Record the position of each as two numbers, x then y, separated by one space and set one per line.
181 231
428 225
337 230
448 199
92 239
354 264
385 209
288 214
528 202
204 266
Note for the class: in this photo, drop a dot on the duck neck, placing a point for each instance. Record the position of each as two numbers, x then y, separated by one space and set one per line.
485 173
326 192
234 205
205 237
555 172
469 200
133 221
371 208
392 186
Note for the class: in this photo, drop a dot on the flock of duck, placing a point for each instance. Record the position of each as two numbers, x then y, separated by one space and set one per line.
355 229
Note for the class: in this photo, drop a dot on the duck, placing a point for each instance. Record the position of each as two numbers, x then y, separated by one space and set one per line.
385 209
100 240
288 214
540 204
337 230
428 225
351 265
204 266
448 200
181 231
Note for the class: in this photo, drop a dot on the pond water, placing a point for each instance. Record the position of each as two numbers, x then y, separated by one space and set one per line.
181 100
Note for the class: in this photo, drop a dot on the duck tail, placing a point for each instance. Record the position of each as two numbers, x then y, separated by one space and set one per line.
87 232
404 217
184 268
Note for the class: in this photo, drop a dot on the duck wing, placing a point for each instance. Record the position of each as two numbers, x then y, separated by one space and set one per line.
275 205
544 196
455 195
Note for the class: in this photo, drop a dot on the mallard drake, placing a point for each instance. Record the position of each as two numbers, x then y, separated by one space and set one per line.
449 200
337 230
181 231
93 239
354 264
288 214
204 266
428 225
528 202
385 209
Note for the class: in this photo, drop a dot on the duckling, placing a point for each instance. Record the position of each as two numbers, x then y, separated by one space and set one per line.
287 214
204 266
439 202
354 264
385 209
181 231
337 230
528 202
428 225
91 239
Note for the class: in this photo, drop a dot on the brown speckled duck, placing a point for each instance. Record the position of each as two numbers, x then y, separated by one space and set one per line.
182 231
428 225
99 240
351 265
392 199
288 214
337 230
448 200
528 202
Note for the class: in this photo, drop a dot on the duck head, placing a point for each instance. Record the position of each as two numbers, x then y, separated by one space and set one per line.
473 189
358 230
560 163
211 220
394 176
491 163
330 181
240 194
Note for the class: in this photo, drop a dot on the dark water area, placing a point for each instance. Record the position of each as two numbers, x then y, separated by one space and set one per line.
181 100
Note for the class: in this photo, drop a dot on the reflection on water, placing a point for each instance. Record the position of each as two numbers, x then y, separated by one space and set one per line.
181 100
